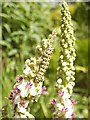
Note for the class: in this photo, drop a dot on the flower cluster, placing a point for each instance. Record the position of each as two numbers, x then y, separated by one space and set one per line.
63 106
29 86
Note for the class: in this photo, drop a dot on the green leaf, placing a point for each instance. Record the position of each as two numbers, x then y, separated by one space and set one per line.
7 28
5 43
12 52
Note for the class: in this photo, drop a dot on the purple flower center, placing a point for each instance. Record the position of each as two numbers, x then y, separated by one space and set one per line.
29 84
16 90
44 90
73 115
64 109
11 96
73 102
61 93
22 104
53 110
53 102
19 78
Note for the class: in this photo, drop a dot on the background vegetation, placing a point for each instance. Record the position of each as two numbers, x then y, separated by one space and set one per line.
23 27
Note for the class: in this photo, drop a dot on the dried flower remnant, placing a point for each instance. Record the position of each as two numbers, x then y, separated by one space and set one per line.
53 102
29 86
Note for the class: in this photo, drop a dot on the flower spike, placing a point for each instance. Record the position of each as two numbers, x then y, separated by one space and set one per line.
29 86
66 70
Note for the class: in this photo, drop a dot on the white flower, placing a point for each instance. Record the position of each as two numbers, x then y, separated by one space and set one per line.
68 78
61 56
67 103
73 49
65 68
72 83
71 65
66 94
17 99
33 59
24 93
27 62
69 107
68 56
22 106
27 88
69 86
68 37
63 40
59 106
65 45
66 51
73 78
68 73
68 114
22 88
33 91
73 73
70 91
40 84
61 61
22 85
65 31
73 68
29 72
64 64
74 54
71 60
59 81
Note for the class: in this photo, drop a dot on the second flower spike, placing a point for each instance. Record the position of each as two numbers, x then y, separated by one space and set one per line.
29 86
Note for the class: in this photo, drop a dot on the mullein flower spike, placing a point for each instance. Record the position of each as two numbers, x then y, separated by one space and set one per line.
29 86
66 70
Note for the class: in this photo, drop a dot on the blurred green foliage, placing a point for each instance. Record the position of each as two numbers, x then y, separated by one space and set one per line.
24 25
